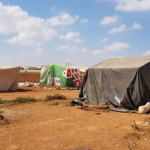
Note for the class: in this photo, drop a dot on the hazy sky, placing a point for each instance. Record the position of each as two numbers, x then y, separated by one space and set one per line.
79 32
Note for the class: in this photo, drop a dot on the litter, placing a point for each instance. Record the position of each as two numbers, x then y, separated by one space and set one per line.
27 84
140 123
1 117
144 109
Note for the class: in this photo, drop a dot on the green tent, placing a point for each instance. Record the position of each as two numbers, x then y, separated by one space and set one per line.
60 76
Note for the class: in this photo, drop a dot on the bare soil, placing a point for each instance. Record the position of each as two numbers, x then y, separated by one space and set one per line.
29 77
47 125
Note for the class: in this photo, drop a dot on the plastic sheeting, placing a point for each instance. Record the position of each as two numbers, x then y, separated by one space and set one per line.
9 78
122 82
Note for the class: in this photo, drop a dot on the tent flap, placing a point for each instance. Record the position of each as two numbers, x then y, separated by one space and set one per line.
9 78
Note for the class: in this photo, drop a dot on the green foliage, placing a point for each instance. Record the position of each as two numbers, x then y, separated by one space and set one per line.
18 100
55 96
24 100
3 101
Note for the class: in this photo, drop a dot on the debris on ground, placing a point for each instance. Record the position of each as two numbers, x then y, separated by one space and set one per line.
140 123
38 85
1 117
75 103
144 109
84 103
27 84
141 126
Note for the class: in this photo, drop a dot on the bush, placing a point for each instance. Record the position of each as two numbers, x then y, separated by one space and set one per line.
24 100
56 96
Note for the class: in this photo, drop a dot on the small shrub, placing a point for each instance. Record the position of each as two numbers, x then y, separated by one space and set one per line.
48 97
24 99
3 101
55 103
56 96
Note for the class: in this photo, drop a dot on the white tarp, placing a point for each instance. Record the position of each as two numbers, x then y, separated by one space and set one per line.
27 84
9 78
81 69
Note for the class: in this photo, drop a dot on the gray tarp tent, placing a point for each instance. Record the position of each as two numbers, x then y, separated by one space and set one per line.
122 82
9 77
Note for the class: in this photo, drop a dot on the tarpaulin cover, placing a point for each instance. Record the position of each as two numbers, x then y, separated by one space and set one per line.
122 82
9 78
60 76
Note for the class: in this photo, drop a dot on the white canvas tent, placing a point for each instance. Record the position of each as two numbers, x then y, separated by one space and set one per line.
9 77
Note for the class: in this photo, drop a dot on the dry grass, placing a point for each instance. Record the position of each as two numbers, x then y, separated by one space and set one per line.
55 96
18 100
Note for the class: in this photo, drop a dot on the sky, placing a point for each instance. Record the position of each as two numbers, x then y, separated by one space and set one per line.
78 32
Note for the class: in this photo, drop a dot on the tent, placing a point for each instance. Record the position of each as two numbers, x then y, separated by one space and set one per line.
82 70
9 77
122 82
60 76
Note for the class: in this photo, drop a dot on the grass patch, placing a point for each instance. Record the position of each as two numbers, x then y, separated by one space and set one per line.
3 101
55 103
48 97
24 100
18 100
56 96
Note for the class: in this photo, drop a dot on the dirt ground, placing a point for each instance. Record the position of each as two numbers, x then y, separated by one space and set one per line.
43 125
29 77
